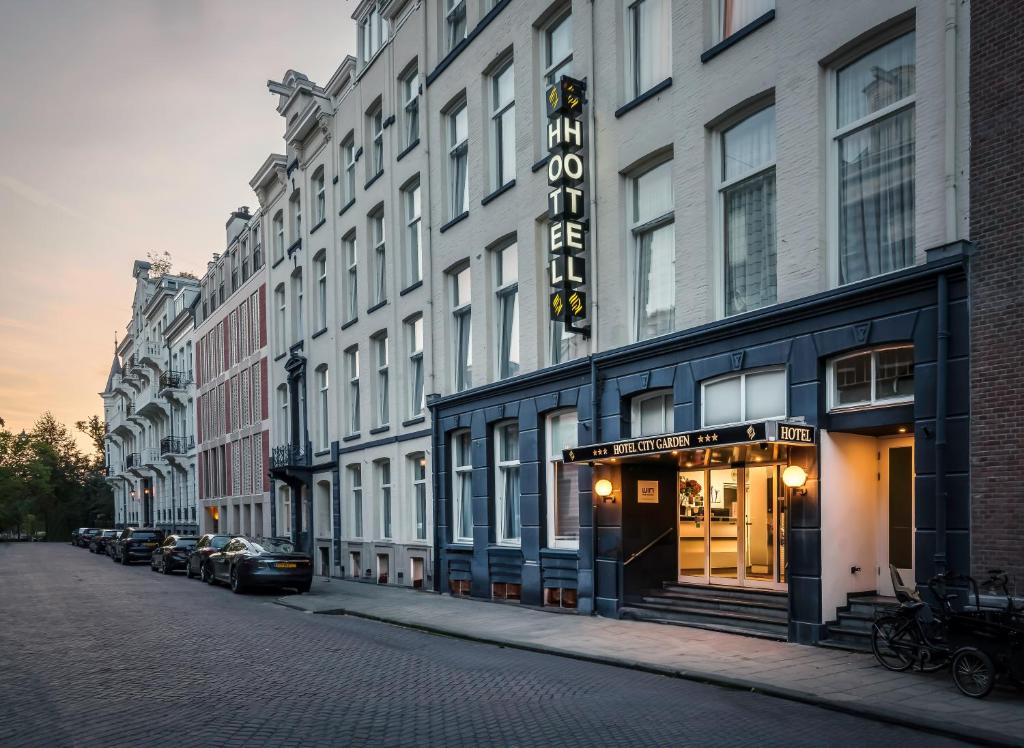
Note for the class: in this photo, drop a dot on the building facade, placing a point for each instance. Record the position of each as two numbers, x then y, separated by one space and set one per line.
148 406
350 294
771 207
232 419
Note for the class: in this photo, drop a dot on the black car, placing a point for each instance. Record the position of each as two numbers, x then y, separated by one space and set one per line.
273 562
211 542
98 544
85 535
74 535
173 553
136 544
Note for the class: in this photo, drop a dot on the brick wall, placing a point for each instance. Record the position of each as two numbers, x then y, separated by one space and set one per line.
997 287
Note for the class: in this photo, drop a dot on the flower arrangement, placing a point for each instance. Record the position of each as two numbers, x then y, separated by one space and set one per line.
691 491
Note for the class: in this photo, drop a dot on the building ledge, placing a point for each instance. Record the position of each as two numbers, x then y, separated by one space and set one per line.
738 36
461 217
498 192
644 97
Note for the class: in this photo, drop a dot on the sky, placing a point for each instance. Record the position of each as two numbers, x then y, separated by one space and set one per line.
128 127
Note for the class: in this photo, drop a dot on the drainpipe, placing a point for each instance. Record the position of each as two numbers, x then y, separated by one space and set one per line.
941 366
952 92
595 431
592 183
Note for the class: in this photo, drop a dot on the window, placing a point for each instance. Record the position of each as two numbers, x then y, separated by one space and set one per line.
507 265
380 355
245 260
281 307
320 195
503 126
380 277
462 487
297 306
384 477
376 128
295 213
649 44
751 396
562 482
348 158
373 29
651 414
557 51
455 22
234 277
880 377
747 189
410 90
348 245
352 372
279 236
355 482
874 145
458 162
506 478
257 250
320 264
655 252
414 335
282 404
462 329
418 465
733 15
322 385
413 235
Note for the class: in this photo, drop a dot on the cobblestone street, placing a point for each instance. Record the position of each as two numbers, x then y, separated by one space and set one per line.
93 653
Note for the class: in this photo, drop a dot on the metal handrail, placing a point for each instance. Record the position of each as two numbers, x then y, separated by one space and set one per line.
648 547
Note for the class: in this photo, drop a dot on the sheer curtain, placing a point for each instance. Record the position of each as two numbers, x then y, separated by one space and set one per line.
652 40
738 13
656 277
509 355
750 257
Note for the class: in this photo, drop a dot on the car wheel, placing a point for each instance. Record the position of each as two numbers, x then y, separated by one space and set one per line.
124 559
236 584
165 568
188 570
206 574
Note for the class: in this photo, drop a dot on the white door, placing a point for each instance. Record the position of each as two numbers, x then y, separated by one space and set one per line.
895 511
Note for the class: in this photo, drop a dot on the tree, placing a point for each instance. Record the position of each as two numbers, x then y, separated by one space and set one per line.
159 263
96 430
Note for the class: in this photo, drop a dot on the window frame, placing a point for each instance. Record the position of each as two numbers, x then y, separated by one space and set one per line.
375 129
834 134
355 486
501 173
320 266
633 50
412 211
351 250
348 159
742 376
506 292
281 311
460 473
417 400
636 408
418 480
409 90
382 469
455 14
462 378
278 227
637 229
320 196
352 395
378 252
382 361
874 402
718 34
500 468
323 387
552 459
457 151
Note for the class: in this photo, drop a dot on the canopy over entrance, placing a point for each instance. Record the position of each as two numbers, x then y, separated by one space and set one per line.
757 432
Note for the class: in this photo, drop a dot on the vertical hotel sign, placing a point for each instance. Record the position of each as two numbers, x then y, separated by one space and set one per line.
567 231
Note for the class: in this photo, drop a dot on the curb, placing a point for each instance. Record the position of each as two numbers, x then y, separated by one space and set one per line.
976 735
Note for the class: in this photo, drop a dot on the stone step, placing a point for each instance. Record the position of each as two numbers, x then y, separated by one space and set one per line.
778 610
851 637
704 616
736 593
858 621
644 614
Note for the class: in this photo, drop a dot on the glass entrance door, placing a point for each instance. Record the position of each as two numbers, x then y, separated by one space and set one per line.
732 526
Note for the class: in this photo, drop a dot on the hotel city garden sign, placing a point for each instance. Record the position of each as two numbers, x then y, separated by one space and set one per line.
567 230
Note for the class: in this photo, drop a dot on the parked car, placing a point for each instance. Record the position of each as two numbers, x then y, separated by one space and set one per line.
173 553
74 535
209 543
273 562
39 537
86 535
98 544
137 544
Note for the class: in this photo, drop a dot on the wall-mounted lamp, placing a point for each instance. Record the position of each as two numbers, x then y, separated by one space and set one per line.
603 488
795 476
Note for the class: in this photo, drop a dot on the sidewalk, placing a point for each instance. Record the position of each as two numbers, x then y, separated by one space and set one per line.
849 682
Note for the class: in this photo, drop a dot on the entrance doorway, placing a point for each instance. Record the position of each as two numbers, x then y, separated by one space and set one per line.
895 510
732 526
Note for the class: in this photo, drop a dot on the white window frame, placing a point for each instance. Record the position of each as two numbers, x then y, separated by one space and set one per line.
410 92
281 304
278 222
298 306
348 157
635 50
461 473
457 151
418 479
836 133
381 360
417 400
355 482
320 264
320 192
379 254
721 185
387 511
413 211
462 378
454 17
717 20
551 65
283 404
376 129
668 415
373 29
323 385
348 244
506 292
874 401
742 376
552 460
500 467
295 215
352 400
502 173
637 231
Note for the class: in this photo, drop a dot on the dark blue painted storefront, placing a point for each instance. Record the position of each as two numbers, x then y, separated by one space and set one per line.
925 305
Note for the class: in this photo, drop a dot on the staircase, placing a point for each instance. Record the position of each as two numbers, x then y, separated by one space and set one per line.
851 630
736 610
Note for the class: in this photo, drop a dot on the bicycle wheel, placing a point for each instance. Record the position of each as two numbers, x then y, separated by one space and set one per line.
894 643
973 672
